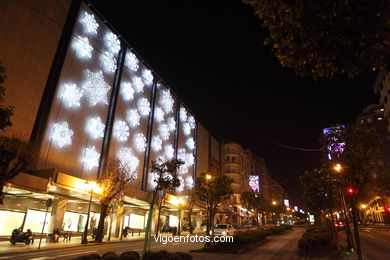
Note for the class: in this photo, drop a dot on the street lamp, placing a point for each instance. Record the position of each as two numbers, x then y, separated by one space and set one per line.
274 203
338 167
208 178
179 202
88 186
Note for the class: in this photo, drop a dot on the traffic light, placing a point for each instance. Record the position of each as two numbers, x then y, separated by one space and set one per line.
387 209
351 190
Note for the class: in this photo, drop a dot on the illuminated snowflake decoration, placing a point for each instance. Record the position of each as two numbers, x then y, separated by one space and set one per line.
181 187
143 106
90 158
183 114
181 155
189 182
95 88
156 143
112 42
95 127
163 130
148 76
61 134
159 114
138 84
186 128
191 122
121 131
189 159
190 143
166 101
139 142
153 179
71 95
169 152
109 62
127 157
82 47
89 23
171 124
132 61
133 117
127 91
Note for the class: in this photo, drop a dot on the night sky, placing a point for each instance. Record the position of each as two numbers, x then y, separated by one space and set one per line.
211 54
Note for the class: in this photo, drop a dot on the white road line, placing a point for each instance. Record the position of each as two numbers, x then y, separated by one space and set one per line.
79 253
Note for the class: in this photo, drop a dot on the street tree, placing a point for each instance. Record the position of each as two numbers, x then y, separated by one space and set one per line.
248 200
165 178
16 156
5 111
116 178
213 189
326 38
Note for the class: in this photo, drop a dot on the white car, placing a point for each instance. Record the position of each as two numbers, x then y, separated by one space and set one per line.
224 230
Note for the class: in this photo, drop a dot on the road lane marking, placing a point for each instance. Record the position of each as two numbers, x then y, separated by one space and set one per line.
78 253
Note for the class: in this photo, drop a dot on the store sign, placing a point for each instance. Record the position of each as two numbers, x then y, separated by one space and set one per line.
254 182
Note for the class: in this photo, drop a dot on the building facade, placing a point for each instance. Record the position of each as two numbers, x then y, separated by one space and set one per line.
382 89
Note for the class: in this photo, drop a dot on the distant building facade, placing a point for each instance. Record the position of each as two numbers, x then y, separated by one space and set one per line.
382 89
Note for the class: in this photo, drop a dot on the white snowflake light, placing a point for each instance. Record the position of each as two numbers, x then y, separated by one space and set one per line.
112 42
90 158
189 159
95 88
127 157
109 62
183 114
156 143
190 143
133 117
143 106
138 84
82 47
159 114
121 131
181 155
166 101
189 182
191 122
95 127
163 130
132 61
186 128
89 23
181 187
148 76
71 95
169 152
153 178
127 91
171 124
61 134
139 142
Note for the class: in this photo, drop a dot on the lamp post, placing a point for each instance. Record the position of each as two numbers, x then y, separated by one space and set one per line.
179 202
274 214
208 178
87 184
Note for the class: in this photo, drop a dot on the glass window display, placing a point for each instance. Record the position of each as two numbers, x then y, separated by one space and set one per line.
34 220
9 220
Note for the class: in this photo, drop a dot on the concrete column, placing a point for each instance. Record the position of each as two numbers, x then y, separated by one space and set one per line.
154 220
118 220
57 214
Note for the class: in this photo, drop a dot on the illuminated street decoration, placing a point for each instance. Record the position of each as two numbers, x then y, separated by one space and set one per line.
335 147
109 62
183 114
191 122
132 61
190 143
90 158
138 84
153 179
112 42
127 91
169 151
95 127
156 143
189 159
164 131
121 131
95 88
133 117
286 203
89 23
139 142
61 134
189 182
143 106
71 95
148 76
254 182
186 128
171 124
127 157
159 114
82 47
166 101
181 187
181 155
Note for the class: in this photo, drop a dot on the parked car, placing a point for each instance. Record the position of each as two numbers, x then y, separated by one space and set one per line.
339 225
224 230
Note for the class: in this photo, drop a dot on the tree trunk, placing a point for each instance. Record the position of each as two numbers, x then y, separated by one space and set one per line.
159 214
149 224
1 192
356 231
257 219
189 217
100 230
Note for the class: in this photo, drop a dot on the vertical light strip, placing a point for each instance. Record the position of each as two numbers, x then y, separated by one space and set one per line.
196 149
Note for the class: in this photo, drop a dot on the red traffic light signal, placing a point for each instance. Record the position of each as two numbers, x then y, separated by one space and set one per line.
351 190
388 209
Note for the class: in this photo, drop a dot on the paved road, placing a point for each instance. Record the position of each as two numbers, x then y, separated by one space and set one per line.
375 243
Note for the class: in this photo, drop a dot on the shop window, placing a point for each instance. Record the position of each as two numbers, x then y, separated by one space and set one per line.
35 219
173 221
137 221
74 221
9 220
